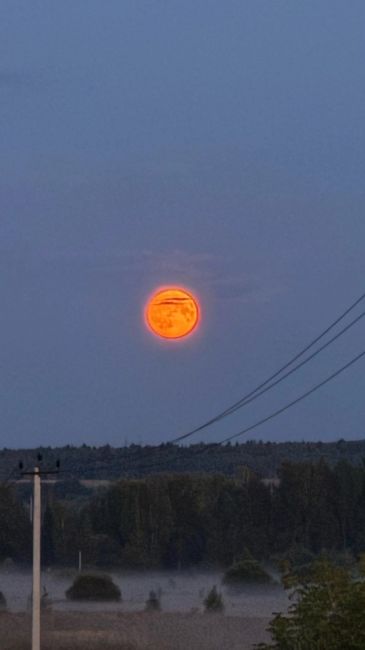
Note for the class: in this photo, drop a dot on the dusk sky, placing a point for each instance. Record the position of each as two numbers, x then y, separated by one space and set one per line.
215 144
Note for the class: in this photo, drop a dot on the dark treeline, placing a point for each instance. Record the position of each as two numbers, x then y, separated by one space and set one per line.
172 521
135 461
15 530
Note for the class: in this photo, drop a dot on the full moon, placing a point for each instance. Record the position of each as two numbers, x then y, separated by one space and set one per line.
172 313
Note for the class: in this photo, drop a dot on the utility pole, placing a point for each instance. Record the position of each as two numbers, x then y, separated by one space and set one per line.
37 473
36 600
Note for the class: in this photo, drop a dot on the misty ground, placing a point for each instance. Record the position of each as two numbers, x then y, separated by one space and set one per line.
180 592
134 631
182 623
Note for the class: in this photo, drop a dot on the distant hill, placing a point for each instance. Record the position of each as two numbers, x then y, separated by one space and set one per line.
110 463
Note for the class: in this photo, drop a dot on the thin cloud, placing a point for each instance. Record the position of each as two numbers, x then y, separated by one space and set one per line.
222 278
208 271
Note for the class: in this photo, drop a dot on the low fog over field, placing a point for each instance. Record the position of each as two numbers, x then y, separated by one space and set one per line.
126 626
179 592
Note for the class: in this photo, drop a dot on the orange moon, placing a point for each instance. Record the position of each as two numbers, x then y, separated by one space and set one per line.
172 313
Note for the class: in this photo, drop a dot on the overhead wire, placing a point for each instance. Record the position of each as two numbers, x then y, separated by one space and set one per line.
206 448
246 397
277 412
287 374
297 400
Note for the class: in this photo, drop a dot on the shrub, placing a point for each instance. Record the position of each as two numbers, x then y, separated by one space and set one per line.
214 601
328 612
246 571
88 586
153 602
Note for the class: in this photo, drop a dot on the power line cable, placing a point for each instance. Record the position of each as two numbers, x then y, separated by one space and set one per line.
298 399
276 413
206 448
285 376
237 404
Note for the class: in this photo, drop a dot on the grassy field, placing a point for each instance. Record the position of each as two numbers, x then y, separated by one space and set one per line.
137 631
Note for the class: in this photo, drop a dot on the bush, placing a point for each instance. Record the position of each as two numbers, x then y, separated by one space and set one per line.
328 612
2 601
90 586
153 602
214 601
246 571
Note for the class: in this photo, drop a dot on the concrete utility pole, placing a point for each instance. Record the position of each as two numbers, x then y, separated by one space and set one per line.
36 599
37 473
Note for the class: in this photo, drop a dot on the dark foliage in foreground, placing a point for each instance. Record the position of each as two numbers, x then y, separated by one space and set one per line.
327 615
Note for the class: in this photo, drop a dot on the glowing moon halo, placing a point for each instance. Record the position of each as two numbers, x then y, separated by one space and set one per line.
172 313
